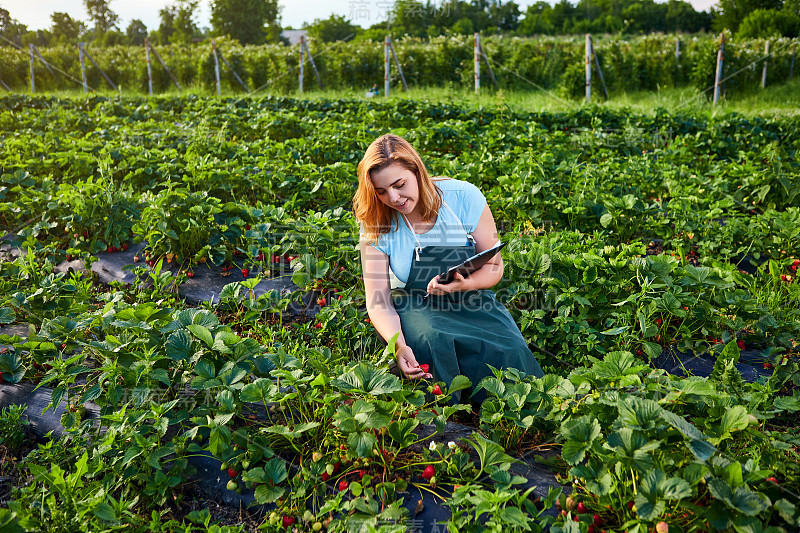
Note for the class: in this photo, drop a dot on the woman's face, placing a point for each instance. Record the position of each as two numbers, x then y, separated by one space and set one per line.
397 187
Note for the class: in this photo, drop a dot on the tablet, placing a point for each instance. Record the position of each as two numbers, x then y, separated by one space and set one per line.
471 264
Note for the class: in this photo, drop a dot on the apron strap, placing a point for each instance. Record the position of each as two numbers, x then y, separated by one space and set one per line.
470 238
418 248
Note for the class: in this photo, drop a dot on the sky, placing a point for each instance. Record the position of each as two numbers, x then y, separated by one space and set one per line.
36 13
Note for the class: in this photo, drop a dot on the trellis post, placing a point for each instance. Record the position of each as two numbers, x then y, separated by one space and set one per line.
83 68
302 60
477 63
588 61
386 67
764 70
30 53
720 58
216 65
149 71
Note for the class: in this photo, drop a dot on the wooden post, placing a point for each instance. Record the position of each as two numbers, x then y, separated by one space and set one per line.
83 68
588 61
477 63
720 58
111 83
216 65
174 80
7 88
149 72
397 64
302 60
764 70
30 53
386 67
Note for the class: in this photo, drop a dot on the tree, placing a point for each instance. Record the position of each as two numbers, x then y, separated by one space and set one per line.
732 12
66 29
248 21
100 13
11 29
335 28
136 32
769 23
183 23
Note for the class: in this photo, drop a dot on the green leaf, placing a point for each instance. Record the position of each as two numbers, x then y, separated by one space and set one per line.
459 383
11 366
367 378
258 391
362 443
606 219
734 419
268 493
202 333
179 346
104 511
580 434
7 315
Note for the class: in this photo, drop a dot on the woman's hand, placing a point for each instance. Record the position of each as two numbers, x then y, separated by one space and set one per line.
459 284
408 364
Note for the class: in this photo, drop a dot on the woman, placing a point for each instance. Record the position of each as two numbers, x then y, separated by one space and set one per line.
418 227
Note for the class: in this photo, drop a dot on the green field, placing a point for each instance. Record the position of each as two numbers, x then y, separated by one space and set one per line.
640 229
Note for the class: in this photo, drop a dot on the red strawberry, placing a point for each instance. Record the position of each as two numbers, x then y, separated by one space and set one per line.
125 247
658 322
110 249
343 484
288 521
783 277
424 368
85 234
767 366
260 257
135 258
772 479
247 227
630 505
318 325
325 476
740 344
639 351
322 302
232 473
794 267
245 272
336 467
796 262
429 472
582 508
190 274
436 390
1 378
597 520
360 474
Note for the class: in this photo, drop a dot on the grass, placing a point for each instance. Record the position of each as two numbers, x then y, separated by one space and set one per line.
774 101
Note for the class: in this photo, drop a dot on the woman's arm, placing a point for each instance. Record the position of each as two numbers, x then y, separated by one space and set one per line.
375 266
489 274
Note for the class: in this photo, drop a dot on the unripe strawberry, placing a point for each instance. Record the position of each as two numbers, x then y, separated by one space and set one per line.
662 527
232 485
316 456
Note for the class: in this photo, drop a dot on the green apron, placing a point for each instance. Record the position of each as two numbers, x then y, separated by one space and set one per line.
458 333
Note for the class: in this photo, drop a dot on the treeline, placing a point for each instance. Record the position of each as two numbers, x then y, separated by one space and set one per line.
554 63
258 21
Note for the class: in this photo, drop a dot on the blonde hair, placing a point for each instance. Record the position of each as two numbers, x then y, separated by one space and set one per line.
375 216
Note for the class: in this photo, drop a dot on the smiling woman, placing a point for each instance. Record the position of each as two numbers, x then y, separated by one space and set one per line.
413 227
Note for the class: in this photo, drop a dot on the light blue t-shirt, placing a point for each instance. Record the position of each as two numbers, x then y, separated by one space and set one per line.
466 202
